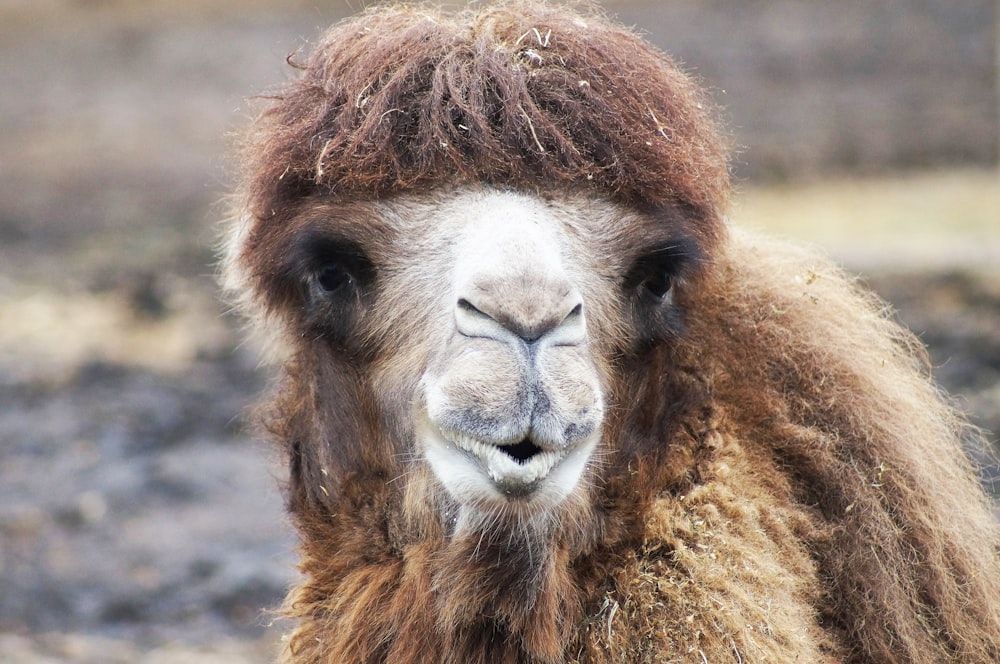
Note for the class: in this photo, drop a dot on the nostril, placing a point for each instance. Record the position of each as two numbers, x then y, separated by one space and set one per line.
467 306
575 313
530 315
472 321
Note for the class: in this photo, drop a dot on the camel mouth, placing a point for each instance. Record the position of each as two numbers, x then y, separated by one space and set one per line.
519 464
521 452
520 469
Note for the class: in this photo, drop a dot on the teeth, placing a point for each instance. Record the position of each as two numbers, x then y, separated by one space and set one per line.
504 468
483 475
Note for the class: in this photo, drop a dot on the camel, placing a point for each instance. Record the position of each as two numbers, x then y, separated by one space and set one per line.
542 402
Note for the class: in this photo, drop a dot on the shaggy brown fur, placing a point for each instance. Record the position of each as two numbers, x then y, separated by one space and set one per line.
399 100
779 483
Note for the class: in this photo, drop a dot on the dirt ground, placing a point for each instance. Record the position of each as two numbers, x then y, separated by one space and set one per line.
139 520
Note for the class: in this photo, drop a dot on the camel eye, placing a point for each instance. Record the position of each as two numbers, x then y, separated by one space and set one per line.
336 282
658 284
654 273
336 269
651 287
333 277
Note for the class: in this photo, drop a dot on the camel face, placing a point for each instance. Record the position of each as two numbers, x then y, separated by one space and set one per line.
493 322
478 331
510 405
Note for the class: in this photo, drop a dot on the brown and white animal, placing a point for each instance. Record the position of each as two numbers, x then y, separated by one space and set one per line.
540 402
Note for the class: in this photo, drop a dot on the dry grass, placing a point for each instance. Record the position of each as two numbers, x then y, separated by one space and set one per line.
50 332
91 649
933 220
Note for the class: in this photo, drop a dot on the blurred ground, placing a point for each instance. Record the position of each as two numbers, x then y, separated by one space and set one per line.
139 522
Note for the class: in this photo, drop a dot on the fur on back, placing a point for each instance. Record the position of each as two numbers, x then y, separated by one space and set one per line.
780 481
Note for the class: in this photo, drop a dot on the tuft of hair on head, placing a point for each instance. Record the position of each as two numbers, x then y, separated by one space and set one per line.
520 94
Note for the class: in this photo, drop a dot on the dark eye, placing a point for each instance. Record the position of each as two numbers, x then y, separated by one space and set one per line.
337 269
336 282
658 284
333 277
654 273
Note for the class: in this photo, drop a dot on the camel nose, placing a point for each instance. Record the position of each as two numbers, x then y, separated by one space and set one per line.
530 307
511 277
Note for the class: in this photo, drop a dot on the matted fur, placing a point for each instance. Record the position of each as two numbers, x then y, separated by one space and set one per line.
781 482
401 99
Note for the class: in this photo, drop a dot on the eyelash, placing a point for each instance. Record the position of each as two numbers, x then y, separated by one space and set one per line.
335 270
654 275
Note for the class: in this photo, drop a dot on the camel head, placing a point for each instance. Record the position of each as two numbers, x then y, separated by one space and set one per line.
510 403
